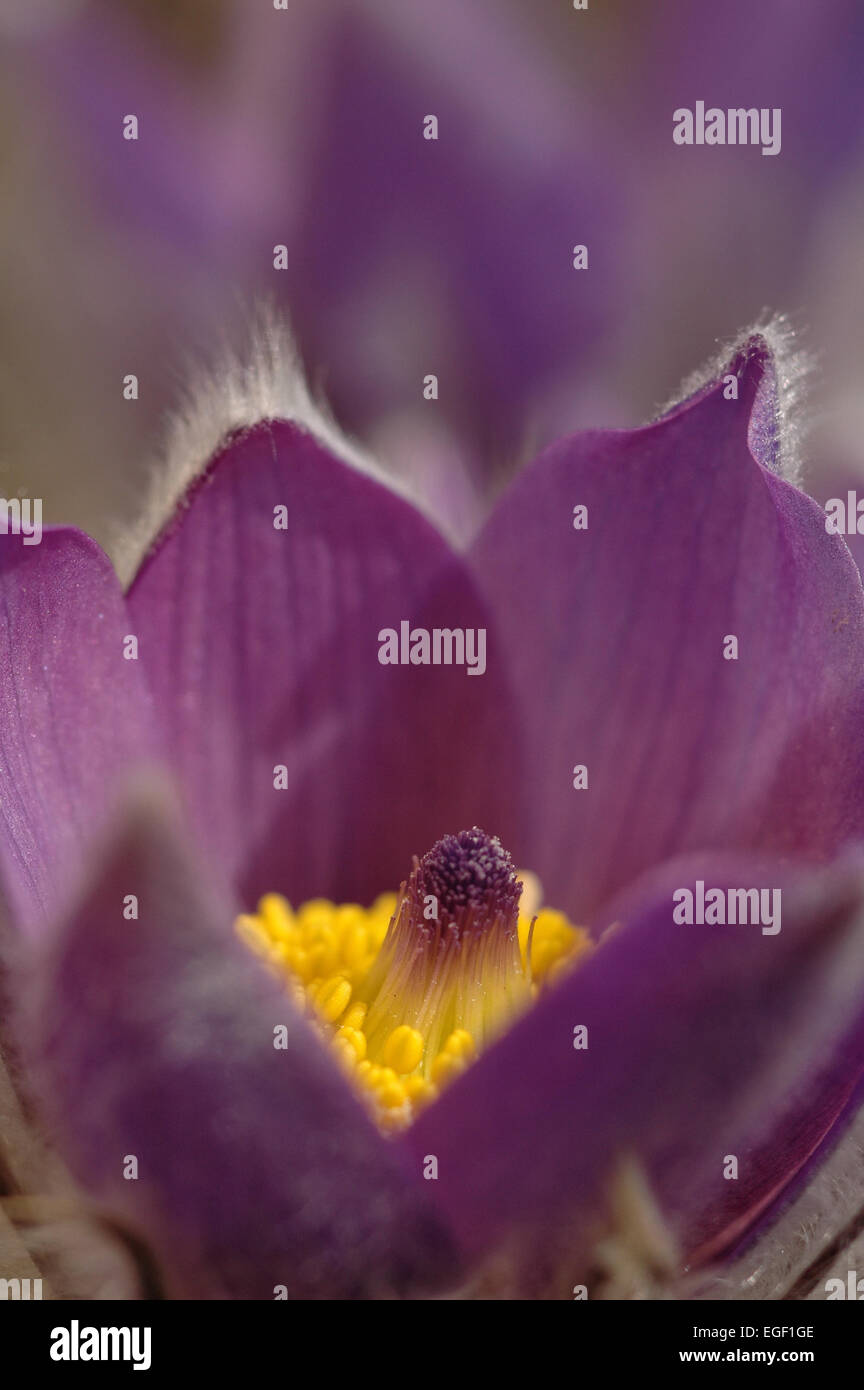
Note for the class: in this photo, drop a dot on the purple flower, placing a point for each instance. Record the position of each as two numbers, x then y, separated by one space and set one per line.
306 130
255 618
407 257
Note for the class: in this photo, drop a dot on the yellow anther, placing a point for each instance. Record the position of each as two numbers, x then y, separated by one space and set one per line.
555 944
331 957
388 1091
391 1095
403 1050
349 917
417 1086
419 1091
277 915
532 895
355 1016
460 1044
383 908
391 1121
251 932
446 1067
332 997
315 912
300 965
317 958
345 1052
355 946
355 1039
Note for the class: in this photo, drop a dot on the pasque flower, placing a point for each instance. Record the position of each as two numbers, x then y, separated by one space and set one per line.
304 127
242 659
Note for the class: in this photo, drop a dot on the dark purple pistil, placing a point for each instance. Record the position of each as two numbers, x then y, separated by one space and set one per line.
471 873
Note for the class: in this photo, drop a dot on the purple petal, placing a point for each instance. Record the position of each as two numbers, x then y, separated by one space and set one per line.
843 485
74 712
702 1042
703 50
211 170
262 646
617 635
302 124
154 1039
451 219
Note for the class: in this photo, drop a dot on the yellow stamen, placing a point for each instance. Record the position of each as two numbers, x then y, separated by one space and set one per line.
400 1046
403 1050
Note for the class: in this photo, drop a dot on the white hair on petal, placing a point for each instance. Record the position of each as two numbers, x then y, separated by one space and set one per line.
239 389
793 369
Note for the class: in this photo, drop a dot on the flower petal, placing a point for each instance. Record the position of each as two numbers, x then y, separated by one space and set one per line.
156 1040
74 712
702 1042
449 220
788 1260
617 636
263 648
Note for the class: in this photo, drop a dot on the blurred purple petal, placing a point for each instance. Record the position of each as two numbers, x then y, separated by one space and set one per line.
702 1042
211 169
459 257
262 647
701 50
74 713
617 634
256 1166
405 256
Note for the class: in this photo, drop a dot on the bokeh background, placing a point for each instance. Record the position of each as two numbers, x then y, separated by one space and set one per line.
303 127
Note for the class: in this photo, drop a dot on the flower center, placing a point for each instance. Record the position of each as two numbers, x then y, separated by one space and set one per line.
410 990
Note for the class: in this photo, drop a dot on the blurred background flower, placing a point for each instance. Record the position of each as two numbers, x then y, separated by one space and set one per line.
303 127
